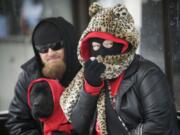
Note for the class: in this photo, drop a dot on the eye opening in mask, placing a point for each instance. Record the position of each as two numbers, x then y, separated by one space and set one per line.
96 46
97 42
108 43
54 46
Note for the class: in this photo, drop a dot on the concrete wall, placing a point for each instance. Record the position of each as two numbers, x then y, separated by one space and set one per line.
58 8
152 33
14 51
12 55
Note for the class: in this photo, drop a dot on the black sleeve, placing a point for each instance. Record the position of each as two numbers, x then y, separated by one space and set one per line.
83 112
157 104
20 121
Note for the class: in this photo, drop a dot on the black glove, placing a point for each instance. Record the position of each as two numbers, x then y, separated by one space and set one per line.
93 71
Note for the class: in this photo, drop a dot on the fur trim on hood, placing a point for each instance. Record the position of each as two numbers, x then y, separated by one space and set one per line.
115 21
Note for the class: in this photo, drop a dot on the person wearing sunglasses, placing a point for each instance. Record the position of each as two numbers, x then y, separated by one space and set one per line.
118 92
54 41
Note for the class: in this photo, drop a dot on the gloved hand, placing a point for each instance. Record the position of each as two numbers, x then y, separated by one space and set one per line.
92 72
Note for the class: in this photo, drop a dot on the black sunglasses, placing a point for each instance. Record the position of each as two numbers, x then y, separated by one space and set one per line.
53 46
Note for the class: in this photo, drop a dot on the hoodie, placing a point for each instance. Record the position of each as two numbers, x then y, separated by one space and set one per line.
57 120
67 33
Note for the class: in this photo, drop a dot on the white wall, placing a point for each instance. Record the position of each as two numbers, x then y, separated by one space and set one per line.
58 8
12 56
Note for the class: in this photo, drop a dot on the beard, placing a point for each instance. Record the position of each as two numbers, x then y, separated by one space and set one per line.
54 70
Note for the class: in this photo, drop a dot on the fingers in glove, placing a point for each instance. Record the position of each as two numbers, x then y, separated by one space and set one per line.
87 63
92 65
99 69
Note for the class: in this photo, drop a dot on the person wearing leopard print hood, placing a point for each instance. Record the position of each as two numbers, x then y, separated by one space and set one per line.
117 91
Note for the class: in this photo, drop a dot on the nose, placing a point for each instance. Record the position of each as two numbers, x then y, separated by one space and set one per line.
103 52
99 52
50 51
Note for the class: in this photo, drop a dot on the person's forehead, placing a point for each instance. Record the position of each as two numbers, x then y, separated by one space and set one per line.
46 33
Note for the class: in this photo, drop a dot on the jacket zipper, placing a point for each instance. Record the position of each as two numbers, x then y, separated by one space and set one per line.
124 125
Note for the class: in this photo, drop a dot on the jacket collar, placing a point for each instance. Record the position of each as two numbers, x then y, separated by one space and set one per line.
31 66
128 80
132 68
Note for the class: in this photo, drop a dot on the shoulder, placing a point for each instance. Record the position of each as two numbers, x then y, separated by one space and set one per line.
140 67
31 66
145 73
147 67
30 71
24 79
151 79
145 63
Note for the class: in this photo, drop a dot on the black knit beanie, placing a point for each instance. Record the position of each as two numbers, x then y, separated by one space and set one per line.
46 33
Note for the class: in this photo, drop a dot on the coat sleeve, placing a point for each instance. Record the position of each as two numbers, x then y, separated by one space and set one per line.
157 104
83 112
20 121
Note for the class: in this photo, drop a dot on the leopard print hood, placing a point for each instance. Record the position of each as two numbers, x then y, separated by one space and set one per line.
116 22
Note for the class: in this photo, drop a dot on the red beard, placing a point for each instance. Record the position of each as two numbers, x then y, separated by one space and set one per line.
54 70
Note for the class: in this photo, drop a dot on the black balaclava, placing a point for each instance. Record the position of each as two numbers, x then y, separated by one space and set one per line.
55 29
114 50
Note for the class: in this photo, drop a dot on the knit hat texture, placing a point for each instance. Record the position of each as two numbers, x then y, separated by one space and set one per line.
46 33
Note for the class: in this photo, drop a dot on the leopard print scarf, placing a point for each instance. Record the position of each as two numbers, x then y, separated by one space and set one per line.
115 65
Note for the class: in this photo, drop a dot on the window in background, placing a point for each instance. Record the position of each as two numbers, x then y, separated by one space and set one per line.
8 12
19 17
30 14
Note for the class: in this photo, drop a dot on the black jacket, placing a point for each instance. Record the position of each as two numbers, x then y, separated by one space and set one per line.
20 120
144 102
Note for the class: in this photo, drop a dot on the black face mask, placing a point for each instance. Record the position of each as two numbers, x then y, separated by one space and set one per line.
115 49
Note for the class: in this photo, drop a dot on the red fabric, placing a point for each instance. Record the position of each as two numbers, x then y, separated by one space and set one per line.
91 89
85 47
115 84
98 130
57 121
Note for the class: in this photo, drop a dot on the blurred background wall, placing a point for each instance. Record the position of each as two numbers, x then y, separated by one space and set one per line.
158 22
